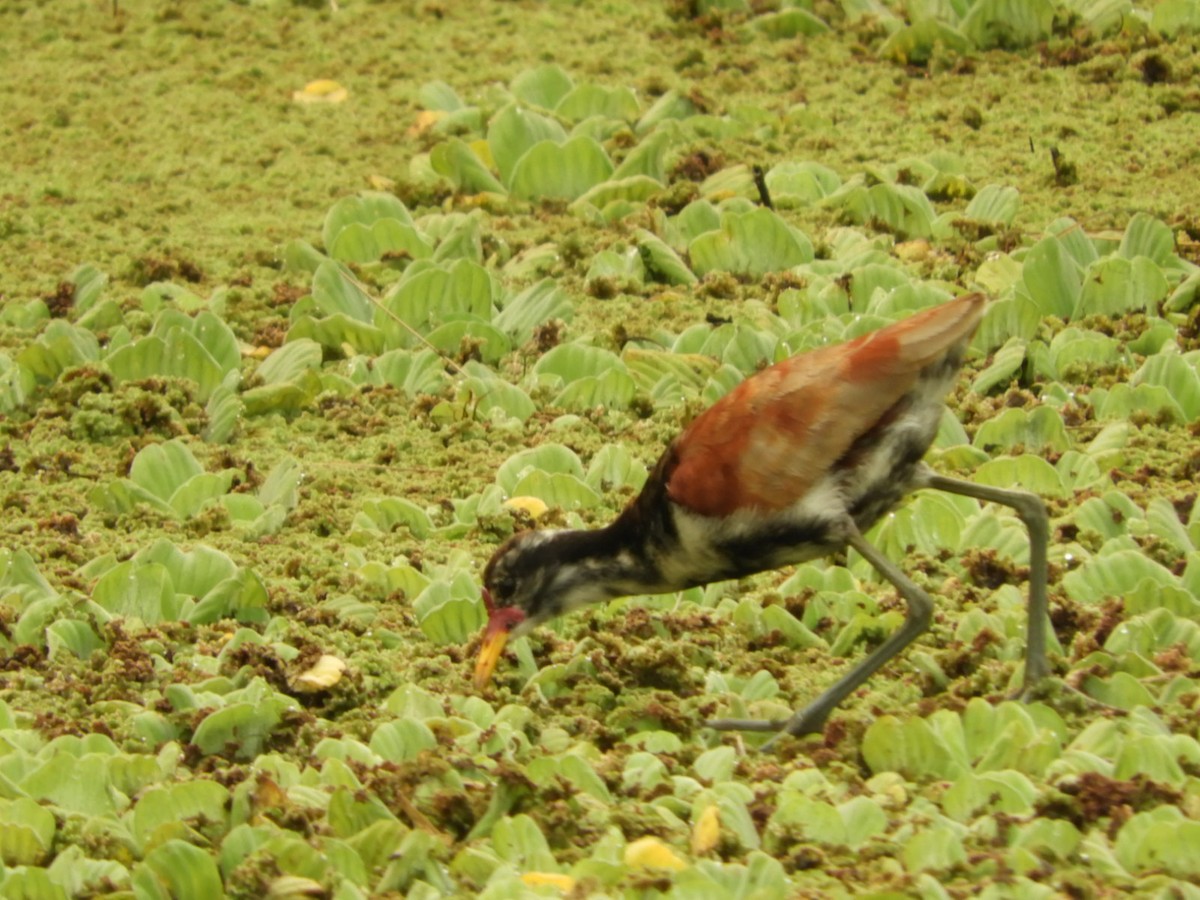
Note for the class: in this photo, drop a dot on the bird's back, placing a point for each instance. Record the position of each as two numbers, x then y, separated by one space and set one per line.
768 442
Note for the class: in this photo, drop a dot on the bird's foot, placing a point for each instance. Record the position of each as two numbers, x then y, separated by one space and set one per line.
1047 687
760 725
810 720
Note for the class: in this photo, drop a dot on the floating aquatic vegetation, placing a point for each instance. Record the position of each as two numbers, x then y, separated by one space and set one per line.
585 377
168 478
26 832
323 90
903 209
917 43
560 171
441 303
533 506
367 227
59 347
751 243
535 156
790 23
1039 429
552 473
396 778
163 583
200 348
448 608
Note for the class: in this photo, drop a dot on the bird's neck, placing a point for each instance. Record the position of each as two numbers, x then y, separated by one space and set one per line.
617 560
624 557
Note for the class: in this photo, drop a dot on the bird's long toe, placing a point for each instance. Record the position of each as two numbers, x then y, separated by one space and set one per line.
1051 688
758 725
810 720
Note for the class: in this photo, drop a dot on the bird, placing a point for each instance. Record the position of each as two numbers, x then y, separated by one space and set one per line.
796 462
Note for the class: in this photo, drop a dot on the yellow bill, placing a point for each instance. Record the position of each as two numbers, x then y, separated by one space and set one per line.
501 620
495 636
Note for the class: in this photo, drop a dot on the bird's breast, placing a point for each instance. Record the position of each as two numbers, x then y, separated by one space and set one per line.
876 475
752 539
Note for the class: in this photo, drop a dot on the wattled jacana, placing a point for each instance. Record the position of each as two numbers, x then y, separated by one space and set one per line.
795 463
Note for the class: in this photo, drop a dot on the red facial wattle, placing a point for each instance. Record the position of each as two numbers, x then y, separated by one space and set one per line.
501 620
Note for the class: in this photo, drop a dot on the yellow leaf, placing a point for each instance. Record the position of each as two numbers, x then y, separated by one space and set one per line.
267 793
294 886
889 789
913 251
532 505
381 182
321 91
651 853
564 883
325 673
706 830
667 297
484 152
425 120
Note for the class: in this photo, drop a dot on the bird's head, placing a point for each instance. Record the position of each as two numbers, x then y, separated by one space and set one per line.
533 577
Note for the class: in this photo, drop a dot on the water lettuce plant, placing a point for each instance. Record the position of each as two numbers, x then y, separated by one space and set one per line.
435 304
169 479
164 583
1000 759
247 495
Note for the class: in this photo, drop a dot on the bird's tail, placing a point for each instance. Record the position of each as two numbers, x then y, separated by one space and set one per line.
928 335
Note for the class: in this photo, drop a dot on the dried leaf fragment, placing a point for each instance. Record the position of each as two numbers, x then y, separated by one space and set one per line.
295 886
532 505
913 251
325 673
651 853
323 90
425 120
564 883
706 830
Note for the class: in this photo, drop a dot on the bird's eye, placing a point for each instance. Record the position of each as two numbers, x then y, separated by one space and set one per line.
506 586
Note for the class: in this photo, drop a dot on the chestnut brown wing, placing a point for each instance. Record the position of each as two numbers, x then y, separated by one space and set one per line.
771 439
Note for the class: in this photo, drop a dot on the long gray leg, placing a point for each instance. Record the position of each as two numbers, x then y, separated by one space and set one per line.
812 717
1032 511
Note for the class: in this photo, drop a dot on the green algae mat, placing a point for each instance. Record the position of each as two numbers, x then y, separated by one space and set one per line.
305 307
